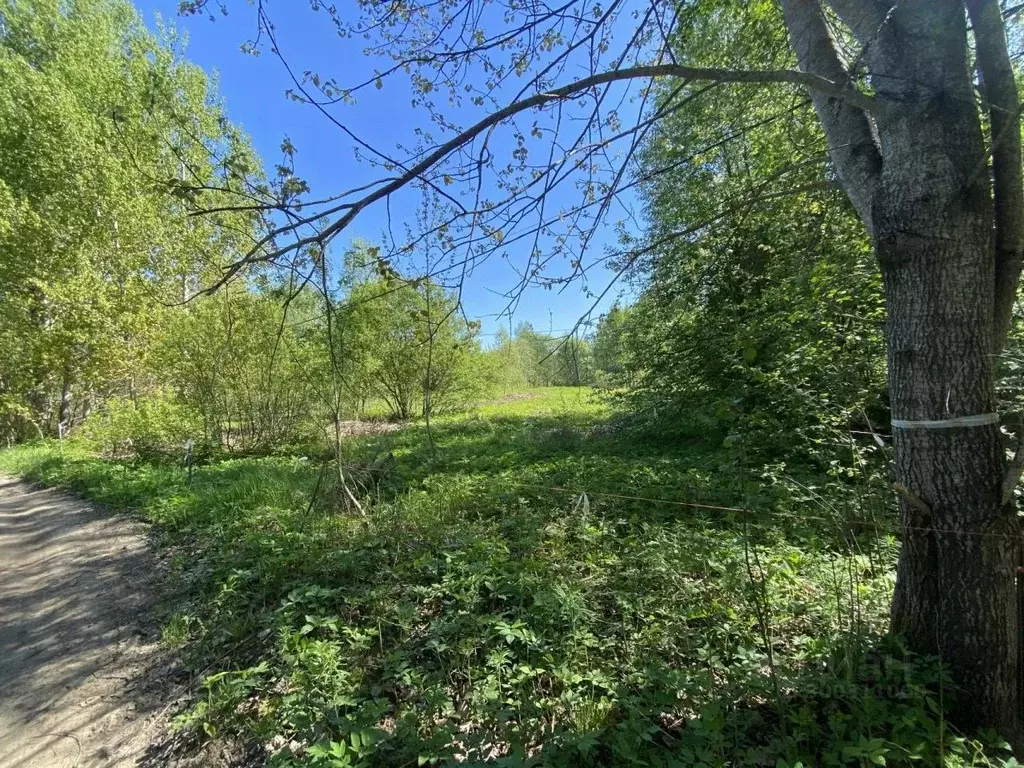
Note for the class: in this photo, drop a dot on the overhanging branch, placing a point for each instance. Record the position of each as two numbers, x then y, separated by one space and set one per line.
837 91
851 138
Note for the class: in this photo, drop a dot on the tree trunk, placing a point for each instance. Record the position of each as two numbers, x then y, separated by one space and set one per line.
956 580
65 413
956 583
917 169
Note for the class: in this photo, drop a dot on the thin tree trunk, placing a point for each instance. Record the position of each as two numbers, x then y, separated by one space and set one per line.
427 405
64 412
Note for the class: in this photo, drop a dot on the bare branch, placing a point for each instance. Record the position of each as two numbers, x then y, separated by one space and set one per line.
836 91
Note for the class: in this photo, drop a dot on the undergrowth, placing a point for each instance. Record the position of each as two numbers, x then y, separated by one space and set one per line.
541 588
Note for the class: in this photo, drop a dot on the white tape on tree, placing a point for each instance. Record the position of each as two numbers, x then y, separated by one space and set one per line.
979 420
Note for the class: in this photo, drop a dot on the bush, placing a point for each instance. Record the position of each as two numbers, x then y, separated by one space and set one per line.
151 427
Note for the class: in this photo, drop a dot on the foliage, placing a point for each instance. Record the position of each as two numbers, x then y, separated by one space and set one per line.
409 345
698 576
762 326
611 346
153 426
249 364
520 598
99 122
91 146
533 359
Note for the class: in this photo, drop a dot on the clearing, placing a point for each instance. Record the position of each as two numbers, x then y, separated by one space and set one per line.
534 584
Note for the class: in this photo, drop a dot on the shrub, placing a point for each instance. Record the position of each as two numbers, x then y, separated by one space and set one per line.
151 427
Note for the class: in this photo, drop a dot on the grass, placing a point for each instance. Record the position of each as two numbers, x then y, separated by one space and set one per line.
543 587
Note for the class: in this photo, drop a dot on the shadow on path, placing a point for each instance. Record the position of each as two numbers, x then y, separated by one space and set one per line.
82 680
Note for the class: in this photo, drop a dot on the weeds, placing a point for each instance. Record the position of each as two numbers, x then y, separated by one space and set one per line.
475 614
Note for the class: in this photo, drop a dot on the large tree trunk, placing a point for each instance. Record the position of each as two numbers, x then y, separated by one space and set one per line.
956 583
916 167
933 231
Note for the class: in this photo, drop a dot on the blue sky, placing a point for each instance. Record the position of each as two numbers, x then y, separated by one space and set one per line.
253 89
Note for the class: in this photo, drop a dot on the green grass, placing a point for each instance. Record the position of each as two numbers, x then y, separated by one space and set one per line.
580 401
540 587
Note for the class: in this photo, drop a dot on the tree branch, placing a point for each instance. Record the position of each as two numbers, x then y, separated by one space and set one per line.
838 92
1003 104
852 143
1012 11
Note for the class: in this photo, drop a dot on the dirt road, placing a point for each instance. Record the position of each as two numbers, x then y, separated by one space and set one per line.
83 682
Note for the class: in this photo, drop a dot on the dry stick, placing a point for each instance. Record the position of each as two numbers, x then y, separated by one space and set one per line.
67 735
854 601
839 599
341 471
316 489
430 363
336 375
762 609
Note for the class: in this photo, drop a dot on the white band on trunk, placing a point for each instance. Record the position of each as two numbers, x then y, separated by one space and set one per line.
979 420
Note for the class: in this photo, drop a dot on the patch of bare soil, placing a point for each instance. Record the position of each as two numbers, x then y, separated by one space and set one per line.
83 680
359 428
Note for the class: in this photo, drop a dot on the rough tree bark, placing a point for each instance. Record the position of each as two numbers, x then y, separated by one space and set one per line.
946 227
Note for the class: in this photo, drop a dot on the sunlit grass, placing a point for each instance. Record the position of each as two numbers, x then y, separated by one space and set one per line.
534 580
543 401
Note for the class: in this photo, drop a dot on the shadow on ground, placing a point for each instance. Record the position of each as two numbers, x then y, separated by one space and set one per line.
84 680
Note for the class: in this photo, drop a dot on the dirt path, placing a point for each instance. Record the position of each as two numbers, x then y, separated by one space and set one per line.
83 682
